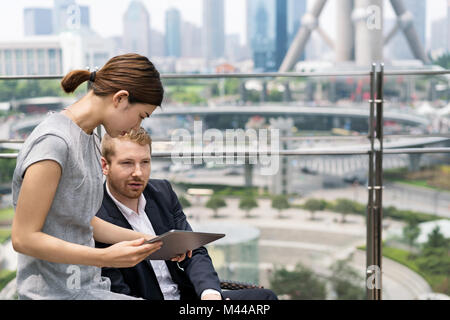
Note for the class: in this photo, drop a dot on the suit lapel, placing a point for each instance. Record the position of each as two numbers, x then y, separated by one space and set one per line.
154 214
113 211
121 221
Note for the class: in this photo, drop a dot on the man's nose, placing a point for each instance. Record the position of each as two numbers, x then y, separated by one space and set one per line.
137 170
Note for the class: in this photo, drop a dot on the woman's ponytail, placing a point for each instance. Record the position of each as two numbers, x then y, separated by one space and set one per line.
73 80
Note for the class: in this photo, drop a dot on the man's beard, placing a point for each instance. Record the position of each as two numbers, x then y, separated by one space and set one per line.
125 190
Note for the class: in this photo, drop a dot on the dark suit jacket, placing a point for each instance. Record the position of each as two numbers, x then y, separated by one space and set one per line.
165 213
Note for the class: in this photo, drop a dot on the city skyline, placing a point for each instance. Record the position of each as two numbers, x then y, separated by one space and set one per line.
110 23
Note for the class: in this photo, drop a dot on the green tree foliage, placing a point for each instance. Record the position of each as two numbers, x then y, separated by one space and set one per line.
411 231
7 167
185 203
215 203
313 205
247 203
435 255
280 202
344 206
22 89
436 240
299 284
347 283
443 61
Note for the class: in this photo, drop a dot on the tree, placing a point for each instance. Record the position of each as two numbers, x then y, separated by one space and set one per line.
435 256
443 61
185 203
247 203
411 231
344 206
347 283
313 205
300 284
215 203
280 202
436 240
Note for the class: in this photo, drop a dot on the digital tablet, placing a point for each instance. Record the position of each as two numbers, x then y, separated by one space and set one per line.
176 242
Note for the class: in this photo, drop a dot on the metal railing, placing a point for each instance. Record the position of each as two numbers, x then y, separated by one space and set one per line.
375 151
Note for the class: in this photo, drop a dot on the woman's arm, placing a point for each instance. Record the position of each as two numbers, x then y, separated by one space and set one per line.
35 198
109 233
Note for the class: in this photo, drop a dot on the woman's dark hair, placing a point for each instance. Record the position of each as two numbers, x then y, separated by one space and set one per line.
131 72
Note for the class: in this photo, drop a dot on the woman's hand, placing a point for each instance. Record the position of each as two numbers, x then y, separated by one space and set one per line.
128 253
181 257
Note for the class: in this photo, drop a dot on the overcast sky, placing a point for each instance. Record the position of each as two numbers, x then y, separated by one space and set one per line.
106 15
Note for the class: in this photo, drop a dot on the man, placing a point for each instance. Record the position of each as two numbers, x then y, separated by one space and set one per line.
132 200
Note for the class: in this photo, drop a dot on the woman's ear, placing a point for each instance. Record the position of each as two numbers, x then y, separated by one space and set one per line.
120 97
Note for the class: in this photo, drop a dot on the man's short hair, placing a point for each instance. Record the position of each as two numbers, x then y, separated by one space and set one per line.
139 136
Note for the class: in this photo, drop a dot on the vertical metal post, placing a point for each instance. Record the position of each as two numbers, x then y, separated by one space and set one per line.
370 203
378 209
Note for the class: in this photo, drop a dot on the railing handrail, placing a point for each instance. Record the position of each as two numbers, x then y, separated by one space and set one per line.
258 75
298 152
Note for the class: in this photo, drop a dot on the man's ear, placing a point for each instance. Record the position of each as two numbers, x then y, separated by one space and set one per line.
105 166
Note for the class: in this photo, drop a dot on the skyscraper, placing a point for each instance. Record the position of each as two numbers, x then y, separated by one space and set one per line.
68 16
173 33
271 26
213 29
191 40
281 36
37 21
136 29
261 33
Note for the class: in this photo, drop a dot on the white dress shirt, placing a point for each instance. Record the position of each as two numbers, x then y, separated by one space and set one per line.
139 222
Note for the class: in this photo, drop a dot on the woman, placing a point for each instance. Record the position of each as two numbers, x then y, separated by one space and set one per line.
57 186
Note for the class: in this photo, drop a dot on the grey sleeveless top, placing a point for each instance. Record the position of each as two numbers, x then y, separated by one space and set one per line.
78 198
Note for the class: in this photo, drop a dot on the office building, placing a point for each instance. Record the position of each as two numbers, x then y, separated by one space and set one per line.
173 33
271 27
68 16
136 29
37 21
213 29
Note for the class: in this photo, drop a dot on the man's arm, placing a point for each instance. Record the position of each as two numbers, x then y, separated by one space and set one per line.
199 268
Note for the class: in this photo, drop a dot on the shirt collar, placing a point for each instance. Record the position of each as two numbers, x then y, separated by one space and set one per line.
124 209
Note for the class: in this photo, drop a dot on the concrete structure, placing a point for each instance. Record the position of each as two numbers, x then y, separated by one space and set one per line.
281 180
398 46
35 55
53 55
345 47
367 19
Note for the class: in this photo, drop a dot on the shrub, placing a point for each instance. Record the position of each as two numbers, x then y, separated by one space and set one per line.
300 284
